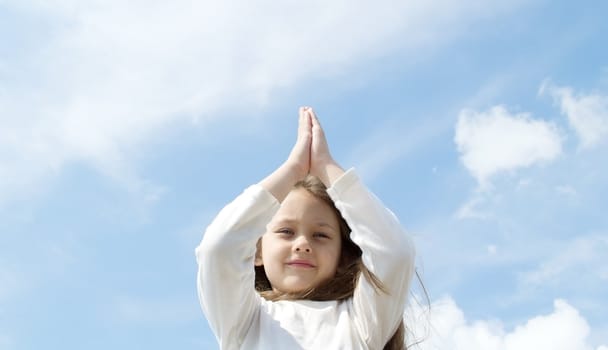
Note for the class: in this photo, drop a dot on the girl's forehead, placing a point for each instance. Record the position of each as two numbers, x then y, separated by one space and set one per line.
300 200
300 204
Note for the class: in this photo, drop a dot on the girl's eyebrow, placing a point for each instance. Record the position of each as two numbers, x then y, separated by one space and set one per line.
325 224
281 222
288 221
284 220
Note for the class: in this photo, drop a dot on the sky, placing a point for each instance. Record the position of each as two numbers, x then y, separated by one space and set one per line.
125 126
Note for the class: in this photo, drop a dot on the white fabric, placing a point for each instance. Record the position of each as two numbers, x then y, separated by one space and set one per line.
241 319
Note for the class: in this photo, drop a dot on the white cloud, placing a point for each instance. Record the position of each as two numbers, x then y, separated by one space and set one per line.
97 79
523 183
566 190
562 329
585 253
6 342
587 113
392 141
18 277
152 311
471 209
495 141
492 249
10 284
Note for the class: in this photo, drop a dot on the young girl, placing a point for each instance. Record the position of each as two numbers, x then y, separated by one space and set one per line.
280 267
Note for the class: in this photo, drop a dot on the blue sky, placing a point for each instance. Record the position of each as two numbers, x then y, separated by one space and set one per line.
126 126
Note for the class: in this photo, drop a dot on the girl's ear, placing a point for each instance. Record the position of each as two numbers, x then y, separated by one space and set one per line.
257 261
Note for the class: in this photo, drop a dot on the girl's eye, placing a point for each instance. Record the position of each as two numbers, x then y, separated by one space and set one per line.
285 231
321 235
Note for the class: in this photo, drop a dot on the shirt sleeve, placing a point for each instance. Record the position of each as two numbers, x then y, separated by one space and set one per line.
387 251
225 279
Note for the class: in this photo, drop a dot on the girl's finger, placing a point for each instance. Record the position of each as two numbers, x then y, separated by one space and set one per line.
302 114
316 125
313 116
303 121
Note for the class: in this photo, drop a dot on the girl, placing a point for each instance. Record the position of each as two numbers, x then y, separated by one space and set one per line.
280 266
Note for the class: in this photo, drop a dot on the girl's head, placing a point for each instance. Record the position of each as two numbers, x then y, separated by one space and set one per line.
306 251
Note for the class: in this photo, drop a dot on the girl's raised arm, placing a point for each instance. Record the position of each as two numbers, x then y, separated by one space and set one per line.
388 251
225 257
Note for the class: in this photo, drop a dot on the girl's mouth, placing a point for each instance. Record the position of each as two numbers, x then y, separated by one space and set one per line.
300 263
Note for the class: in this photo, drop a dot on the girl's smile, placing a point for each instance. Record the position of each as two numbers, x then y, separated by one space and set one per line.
300 263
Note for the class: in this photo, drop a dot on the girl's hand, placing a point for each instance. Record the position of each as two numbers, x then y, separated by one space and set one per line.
299 158
322 164
297 165
319 150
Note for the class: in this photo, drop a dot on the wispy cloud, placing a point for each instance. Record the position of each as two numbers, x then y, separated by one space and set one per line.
496 140
392 141
6 342
566 190
108 76
447 328
20 277
587 113
473 208
152 311
586 253
10 283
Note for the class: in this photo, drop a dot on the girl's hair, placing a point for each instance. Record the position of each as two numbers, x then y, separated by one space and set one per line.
350 267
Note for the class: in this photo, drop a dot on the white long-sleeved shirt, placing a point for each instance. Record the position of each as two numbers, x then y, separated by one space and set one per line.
242 319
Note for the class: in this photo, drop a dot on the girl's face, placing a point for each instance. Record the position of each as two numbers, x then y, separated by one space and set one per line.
302 244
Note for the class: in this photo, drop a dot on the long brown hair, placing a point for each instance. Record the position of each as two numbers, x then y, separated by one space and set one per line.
350 267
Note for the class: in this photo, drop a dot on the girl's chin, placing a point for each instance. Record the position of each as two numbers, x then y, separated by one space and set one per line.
293 289
295 286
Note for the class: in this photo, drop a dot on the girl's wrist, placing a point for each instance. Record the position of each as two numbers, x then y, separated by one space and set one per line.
294 171
282 180
328 172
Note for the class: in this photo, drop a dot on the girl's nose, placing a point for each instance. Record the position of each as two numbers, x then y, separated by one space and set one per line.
301 245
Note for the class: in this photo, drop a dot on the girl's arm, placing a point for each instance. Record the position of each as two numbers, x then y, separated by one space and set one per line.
225 279
388 252
226 254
